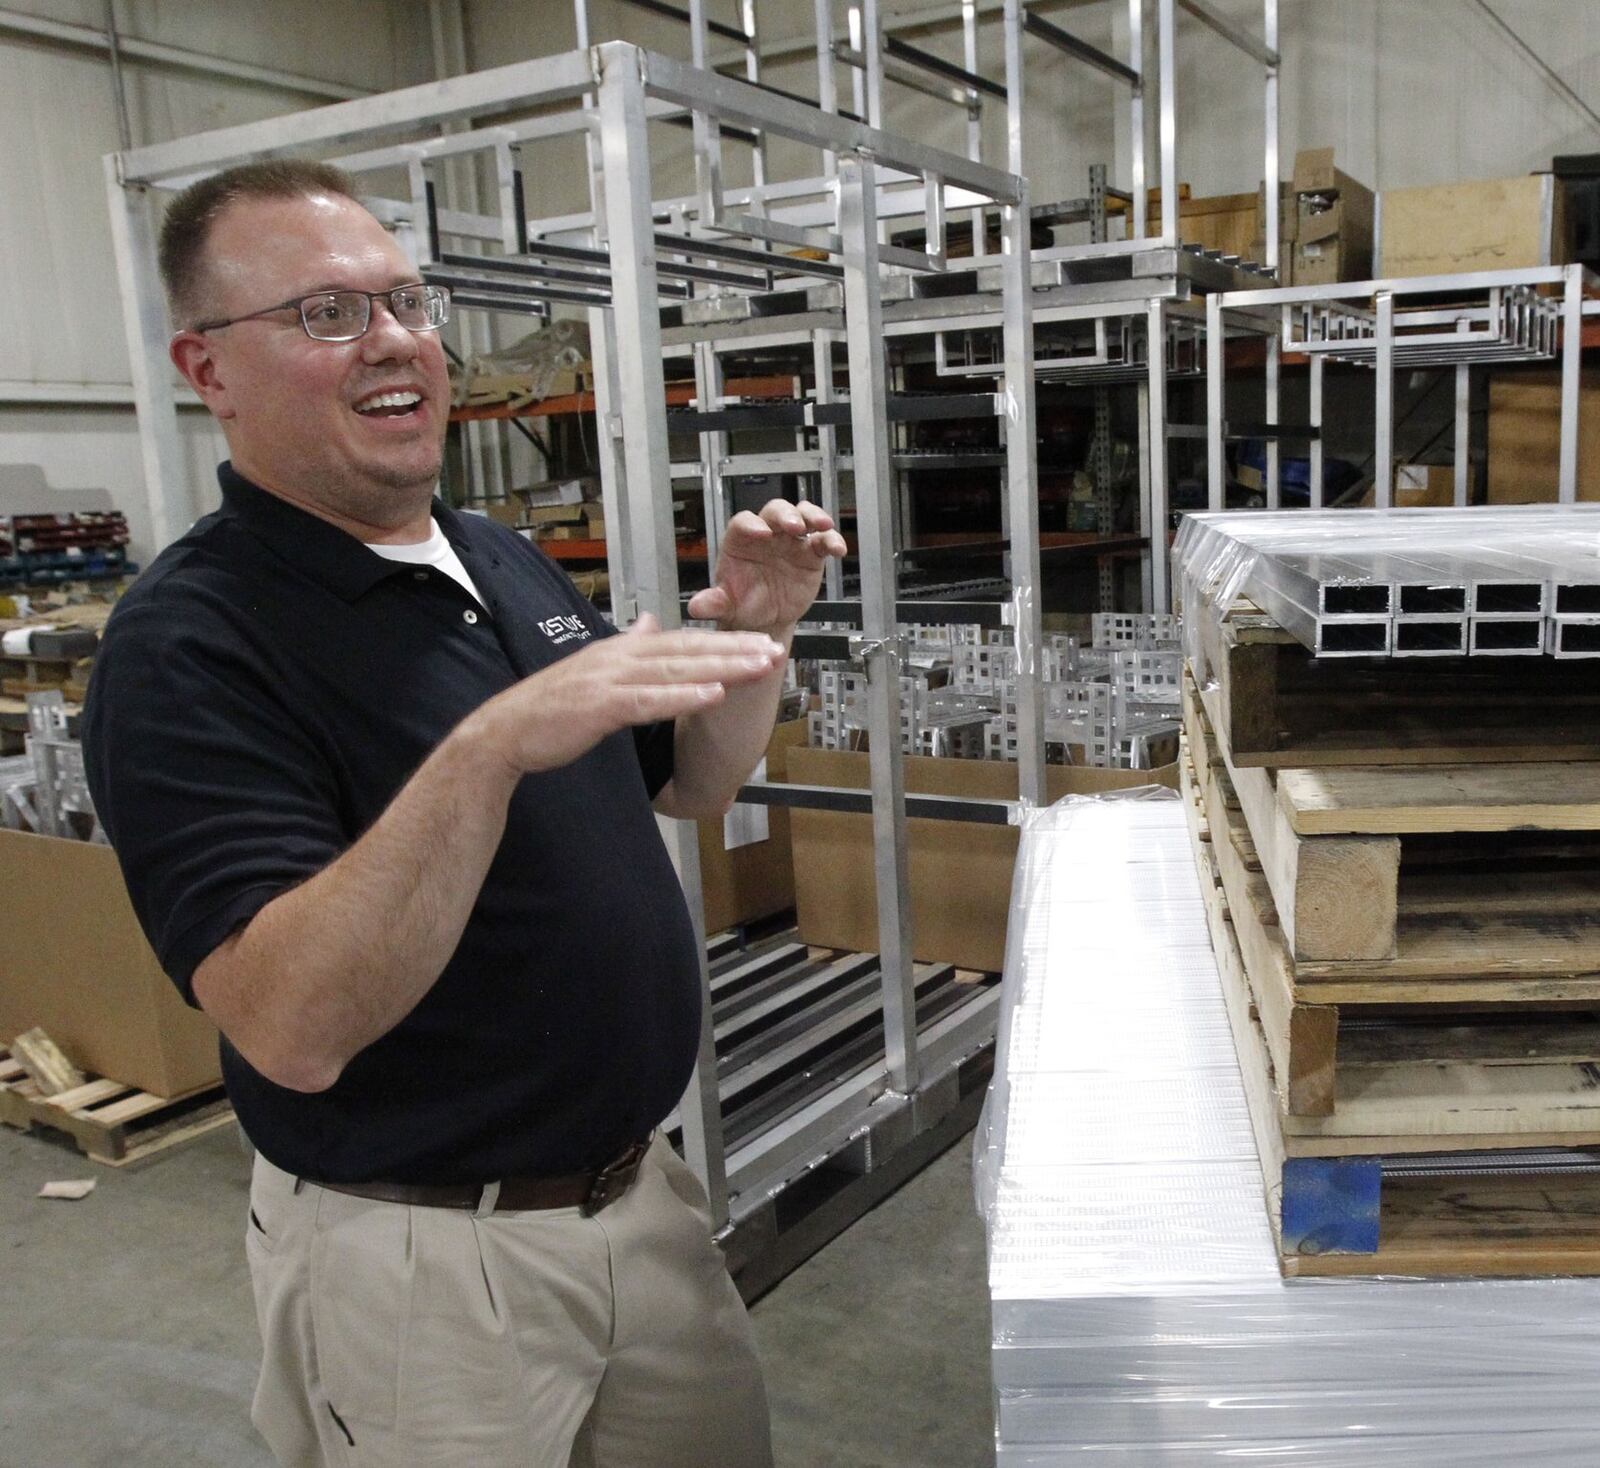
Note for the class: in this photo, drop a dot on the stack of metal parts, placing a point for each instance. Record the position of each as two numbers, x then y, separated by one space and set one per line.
44 790
1138 1313
1496 581
1112 700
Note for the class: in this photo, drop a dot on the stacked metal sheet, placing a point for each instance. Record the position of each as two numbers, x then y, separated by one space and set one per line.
1496 581
1139 1319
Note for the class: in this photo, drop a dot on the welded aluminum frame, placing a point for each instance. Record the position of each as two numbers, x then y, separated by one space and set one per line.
867 55
1270 313
613 86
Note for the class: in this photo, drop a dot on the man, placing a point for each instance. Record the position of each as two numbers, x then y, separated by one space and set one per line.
382 785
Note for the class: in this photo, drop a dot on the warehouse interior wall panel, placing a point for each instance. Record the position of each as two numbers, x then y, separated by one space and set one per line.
98 448
58 113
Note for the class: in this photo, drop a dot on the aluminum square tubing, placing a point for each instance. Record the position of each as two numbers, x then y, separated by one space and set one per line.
1429 635
1501 635
1574 637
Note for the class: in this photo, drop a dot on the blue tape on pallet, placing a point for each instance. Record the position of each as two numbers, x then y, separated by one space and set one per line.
1330 1205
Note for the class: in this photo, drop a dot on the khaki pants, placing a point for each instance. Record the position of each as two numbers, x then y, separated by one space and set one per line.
398 1337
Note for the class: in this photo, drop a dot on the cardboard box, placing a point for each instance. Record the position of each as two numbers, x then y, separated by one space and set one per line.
74 962
1524 437
1227 223
1420 485
756 880
1489 224
540 515
1333 221
960 872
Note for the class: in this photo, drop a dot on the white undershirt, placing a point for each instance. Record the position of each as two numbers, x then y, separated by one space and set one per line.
435 551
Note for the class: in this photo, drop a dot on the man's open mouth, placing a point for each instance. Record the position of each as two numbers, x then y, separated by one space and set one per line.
390 404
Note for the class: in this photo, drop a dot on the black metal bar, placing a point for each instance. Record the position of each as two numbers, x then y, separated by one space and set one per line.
536 288
519 203
968 549
743 134
432 222
984 613
1037 25
1297 432
828 647
922 807
458 267
508 265
916 56
745 255
673 12
734 75
909 409
903 409
528 305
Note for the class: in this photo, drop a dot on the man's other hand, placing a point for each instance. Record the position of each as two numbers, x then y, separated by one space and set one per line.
769 568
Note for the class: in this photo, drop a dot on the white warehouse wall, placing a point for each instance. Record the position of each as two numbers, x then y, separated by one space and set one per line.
65 400
1407 92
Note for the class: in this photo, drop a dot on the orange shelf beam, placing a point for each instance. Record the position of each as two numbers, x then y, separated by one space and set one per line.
679 395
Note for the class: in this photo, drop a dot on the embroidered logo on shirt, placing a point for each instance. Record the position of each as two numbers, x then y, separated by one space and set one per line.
565 629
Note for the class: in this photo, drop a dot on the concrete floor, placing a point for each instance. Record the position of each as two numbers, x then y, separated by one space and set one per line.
130 1339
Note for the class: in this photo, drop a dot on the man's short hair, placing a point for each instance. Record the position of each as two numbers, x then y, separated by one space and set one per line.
187 226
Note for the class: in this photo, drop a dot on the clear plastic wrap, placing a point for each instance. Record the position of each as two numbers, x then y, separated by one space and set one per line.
1138 1313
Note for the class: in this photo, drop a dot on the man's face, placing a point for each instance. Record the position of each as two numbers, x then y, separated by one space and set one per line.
300 415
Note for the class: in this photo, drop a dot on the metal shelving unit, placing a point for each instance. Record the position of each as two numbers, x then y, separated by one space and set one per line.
1439 322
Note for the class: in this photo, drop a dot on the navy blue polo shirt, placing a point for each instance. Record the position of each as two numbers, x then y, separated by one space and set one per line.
262 692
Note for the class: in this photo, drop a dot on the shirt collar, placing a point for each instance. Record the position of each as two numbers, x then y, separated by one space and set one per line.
324 552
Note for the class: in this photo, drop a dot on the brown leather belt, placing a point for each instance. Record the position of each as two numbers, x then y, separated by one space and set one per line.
588 1192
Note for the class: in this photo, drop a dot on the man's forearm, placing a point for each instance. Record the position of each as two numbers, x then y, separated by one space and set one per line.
327 968
715 750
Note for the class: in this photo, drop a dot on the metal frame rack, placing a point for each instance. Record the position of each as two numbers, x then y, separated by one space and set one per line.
1140 287
891 1110
1443 321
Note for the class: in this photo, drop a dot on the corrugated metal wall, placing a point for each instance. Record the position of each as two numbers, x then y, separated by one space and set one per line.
1407 91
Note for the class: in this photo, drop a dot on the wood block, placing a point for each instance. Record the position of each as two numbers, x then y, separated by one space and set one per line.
1335 895
41 1057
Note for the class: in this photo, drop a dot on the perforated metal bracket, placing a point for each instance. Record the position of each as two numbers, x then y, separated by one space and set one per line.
862 648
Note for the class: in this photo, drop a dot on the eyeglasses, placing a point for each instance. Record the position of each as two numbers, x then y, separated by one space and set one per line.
344 316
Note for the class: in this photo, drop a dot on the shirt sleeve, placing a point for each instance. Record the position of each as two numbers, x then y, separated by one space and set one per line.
215 798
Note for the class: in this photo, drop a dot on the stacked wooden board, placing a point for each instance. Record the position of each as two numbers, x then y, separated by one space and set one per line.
1403 889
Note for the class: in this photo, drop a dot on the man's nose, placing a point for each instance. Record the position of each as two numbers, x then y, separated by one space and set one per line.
386 339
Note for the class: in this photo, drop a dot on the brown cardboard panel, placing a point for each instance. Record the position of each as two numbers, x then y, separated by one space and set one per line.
960 873
1314 172
74 962
1323 226
752 881
1524 437
1486 224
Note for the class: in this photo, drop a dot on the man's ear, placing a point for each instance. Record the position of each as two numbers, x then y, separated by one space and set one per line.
193 355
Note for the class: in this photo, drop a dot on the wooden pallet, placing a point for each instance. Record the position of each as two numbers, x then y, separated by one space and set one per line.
1354 855
1334 1214
110 1122
1474 1062
1280 706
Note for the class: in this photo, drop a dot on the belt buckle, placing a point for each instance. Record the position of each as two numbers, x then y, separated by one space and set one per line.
612 1181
